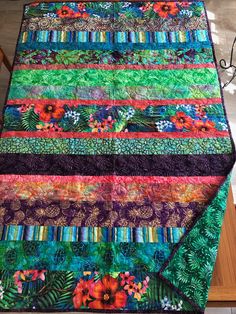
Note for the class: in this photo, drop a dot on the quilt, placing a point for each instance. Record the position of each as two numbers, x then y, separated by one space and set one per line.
115 159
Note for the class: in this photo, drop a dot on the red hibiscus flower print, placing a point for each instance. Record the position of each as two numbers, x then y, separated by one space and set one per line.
47 112
181 120
164 9
65 11
106 294
202 126
81 293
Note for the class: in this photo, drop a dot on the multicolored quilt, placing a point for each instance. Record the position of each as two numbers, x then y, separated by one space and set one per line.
115 159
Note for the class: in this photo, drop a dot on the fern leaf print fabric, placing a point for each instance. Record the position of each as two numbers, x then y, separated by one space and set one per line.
115 159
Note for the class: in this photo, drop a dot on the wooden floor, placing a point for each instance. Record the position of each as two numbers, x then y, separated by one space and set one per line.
223 286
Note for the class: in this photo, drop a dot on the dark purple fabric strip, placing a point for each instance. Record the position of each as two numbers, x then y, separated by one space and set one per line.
109 214
125 165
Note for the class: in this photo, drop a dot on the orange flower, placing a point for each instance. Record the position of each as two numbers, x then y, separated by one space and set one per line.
181 120
81 293
202 126
130 287
106 294
164 9
83 15
47 112
65 11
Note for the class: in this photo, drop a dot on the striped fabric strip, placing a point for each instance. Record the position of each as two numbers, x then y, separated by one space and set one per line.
139 103
135 57
120 47
92 234
112 66
147 95
111 24
141 165
55 36
116 146
215 180
61 134
115 78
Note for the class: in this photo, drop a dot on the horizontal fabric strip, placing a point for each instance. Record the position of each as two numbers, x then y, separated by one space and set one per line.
116 146
124 165
111 24
139 103
112 66
144 93
142 193
40 278
102 9
136 135
112 46
101 213
77 256
93 77
91 234
147 57
55 36
112 179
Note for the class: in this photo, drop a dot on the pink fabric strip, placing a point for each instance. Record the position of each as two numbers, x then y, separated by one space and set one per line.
139 103
114 179
42 134
112 66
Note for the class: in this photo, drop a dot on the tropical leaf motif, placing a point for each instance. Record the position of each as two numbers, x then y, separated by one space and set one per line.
188 279
11 123
57 291
10 290
29 120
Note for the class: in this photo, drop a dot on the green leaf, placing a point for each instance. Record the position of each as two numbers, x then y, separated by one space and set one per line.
29 120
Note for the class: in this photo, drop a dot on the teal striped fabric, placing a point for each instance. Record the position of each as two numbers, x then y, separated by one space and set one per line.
54 36
92 234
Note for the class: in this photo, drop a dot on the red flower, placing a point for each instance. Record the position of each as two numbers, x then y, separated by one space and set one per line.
65 11
107 295
201 126
47 112
21 276
181 120
25 107
146 7
38 274
164 9
126 278
185 4
81 6
81 293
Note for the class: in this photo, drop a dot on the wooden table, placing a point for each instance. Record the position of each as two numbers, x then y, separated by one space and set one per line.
223 286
